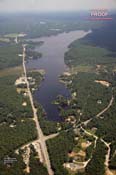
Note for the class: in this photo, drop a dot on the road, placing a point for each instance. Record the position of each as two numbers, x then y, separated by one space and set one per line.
39 130
108 153
42 139
107 158
100 113
109 105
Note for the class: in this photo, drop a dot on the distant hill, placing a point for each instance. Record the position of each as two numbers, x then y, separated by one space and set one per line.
105 36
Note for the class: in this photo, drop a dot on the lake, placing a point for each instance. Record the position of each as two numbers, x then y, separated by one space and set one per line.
52 62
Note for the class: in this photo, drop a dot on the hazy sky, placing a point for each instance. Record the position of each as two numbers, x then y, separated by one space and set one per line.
54 5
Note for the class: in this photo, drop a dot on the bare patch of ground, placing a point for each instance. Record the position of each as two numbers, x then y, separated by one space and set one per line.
104 83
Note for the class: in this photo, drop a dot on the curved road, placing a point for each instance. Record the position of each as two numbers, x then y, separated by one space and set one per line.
109 105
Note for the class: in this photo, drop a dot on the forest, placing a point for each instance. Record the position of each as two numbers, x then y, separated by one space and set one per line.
96 165
37 25
58 149
88 98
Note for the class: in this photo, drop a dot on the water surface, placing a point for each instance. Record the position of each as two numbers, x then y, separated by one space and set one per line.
52 62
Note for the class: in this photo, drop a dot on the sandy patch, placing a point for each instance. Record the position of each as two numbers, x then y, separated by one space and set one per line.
104 83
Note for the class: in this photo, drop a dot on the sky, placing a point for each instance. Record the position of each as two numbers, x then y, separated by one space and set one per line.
54 5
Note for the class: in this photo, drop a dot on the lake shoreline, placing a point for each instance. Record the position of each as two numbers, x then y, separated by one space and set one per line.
53 50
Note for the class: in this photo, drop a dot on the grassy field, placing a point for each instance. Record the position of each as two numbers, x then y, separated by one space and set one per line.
9 56
4 40
81 68
11 35
11 71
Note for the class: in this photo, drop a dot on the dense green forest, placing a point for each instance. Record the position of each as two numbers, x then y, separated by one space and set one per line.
88 96
81 53
89 93
59 148
17 167
36 167
11 102
106 127
104 36
16 136
96 165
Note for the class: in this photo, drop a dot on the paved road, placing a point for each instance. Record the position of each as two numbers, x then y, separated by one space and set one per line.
39 131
